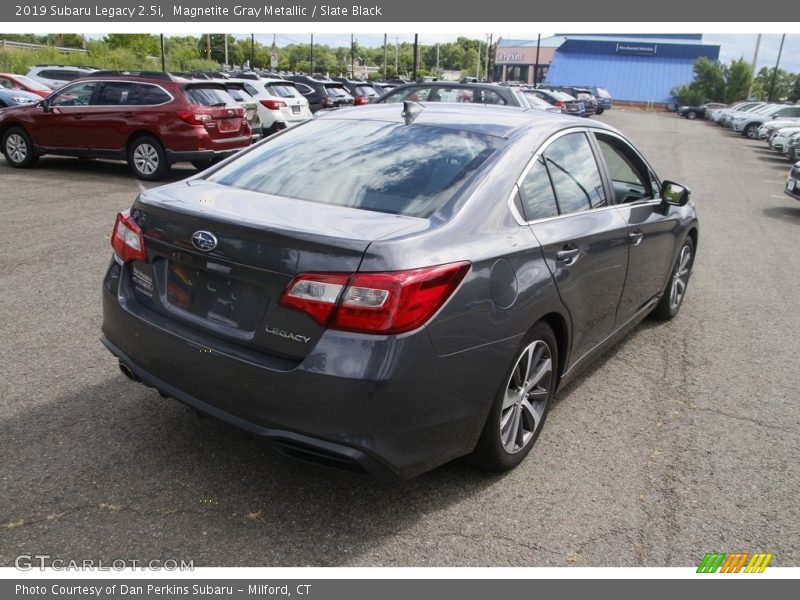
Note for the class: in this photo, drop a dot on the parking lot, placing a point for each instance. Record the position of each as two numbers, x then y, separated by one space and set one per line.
684 439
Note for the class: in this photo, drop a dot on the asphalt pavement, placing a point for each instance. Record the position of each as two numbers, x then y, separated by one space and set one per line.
684 439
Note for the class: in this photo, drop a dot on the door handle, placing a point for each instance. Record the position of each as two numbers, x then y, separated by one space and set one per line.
568 256
635 237
78 117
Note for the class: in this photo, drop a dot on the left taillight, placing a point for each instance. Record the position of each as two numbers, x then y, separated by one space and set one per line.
384 303
127 239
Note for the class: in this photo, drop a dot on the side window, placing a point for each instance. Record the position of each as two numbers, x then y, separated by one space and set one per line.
415 94
151 95
116 93
538 199
250 89
74 95
629 175
573 170
491 97
304 89
5 83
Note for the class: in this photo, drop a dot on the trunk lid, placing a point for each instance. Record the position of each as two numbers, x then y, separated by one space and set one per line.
226 114
256 244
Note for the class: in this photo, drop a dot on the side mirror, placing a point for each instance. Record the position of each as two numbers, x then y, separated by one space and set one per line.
45 105
674 193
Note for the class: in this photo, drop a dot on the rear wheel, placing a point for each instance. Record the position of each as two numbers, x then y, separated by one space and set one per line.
521 405
147 159
751 131
600 111
671 300
691 115
18 149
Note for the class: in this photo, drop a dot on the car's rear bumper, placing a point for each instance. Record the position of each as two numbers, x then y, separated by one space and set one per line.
389 406
174 156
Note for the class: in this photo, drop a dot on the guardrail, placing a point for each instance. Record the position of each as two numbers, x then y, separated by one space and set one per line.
62 50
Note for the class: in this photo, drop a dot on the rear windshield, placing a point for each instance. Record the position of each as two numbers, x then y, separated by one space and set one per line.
336 91
238 95
208 96
364 90
385 167
31 83
562 96
281 90
603 93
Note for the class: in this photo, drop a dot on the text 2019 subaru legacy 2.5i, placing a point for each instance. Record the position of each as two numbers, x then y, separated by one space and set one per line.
386 288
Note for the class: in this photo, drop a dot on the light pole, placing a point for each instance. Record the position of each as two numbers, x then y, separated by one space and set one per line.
775 72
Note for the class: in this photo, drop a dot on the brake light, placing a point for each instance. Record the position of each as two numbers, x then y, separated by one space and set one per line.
127 239
273 104
390 302
359 100
194 118
560 104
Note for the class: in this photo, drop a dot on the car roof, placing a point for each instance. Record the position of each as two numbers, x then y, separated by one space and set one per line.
498 121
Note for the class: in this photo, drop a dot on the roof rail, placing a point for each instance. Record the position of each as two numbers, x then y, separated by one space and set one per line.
147 74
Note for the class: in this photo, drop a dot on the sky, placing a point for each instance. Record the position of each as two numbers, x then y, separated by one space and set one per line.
733 46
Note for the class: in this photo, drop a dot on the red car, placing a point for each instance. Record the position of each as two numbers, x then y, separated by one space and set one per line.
10 81
151 120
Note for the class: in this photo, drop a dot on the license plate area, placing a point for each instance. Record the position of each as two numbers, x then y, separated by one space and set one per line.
295 110
790 185
215 297
227 125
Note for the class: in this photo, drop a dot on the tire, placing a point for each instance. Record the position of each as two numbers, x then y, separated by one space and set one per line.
511 431
751 131
18 148
600 111
675 292
147 159
691 115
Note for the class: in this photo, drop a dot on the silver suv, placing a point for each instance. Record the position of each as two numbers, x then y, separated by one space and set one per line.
55 76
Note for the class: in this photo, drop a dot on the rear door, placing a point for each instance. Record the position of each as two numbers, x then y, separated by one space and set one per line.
583 238
63 124
111 115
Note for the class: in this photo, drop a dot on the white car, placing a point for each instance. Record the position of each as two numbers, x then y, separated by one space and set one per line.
780 139
280 104
55 76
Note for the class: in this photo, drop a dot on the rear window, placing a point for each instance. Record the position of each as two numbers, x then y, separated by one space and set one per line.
336 91
208 96
281 90
31 83
238 95
385 167
603 93
60 75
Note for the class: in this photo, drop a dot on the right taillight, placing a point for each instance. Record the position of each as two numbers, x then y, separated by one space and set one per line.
560 104
127 239
388 302
273 104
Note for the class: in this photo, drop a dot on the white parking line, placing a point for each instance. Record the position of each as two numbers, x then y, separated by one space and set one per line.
778 197
771 181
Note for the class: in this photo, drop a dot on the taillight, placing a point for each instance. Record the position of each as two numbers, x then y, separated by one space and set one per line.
273 104
194 118
359 100
127 239
390 302
560 104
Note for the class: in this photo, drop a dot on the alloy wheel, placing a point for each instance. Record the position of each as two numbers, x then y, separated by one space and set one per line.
526 396
16 147
145 158
680 279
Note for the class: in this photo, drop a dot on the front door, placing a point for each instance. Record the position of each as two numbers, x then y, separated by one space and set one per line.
62 124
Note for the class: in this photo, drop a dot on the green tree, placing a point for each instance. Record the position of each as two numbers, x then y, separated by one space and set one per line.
737 81
141 44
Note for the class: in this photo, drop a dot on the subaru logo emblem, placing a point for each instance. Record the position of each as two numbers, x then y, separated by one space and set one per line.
204 240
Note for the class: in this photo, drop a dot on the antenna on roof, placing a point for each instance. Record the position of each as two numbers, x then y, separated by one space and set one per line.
411 111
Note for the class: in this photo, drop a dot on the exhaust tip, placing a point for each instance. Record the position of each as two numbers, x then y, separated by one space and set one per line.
127 372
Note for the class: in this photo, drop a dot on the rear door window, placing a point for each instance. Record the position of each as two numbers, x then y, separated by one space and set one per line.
116 93
574 172
415 94
538 198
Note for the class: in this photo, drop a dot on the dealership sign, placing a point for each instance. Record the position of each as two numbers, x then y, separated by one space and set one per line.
639 49
510 57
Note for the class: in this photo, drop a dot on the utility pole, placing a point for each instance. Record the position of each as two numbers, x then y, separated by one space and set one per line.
163 55
208 46
252 51
416 42
478 67
352 57
486 62
775 72
226 48
312 55
536 66
396 54
384 56
753 69
438 71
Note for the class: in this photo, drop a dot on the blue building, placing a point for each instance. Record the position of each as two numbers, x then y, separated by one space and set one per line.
635 68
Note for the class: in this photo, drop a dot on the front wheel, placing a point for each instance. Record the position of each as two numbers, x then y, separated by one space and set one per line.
691 115
18 149
673 296
600 111
147 159
751 131
522 403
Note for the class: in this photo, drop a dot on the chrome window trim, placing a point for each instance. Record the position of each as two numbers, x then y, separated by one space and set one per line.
542 147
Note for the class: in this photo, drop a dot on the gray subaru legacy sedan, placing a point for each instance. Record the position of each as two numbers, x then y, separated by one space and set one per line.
386 288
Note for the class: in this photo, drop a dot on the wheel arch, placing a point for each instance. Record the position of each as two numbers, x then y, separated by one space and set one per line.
140 133
560 326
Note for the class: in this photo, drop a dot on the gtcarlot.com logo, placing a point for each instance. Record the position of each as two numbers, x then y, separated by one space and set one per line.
734 562
28 562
